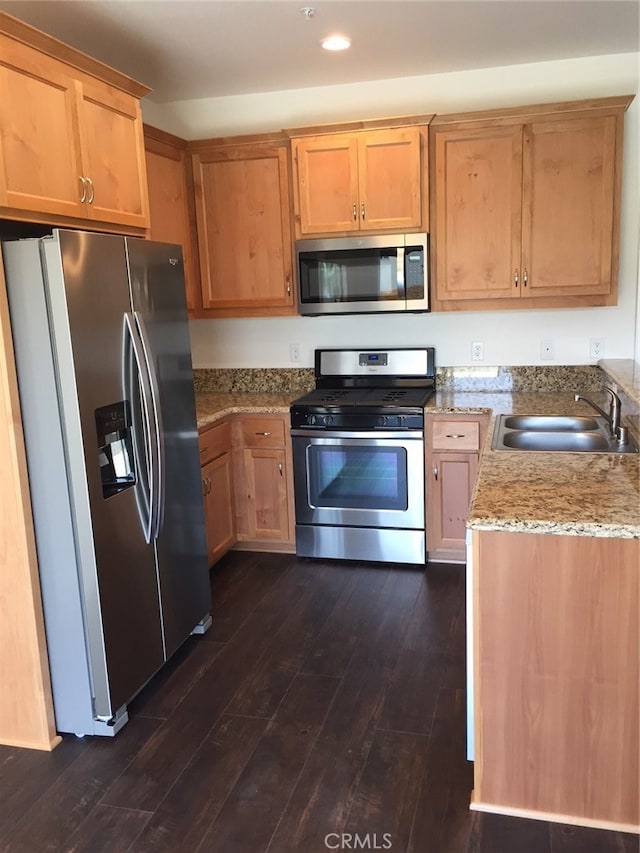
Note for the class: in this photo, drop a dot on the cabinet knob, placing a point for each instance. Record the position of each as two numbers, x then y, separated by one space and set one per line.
525 278
288 285
355 211
516 278
435 472
83 181
280 469
362 210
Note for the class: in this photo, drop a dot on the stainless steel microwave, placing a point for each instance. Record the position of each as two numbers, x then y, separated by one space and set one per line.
363 275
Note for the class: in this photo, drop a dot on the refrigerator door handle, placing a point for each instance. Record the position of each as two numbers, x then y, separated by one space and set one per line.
157 492
147 459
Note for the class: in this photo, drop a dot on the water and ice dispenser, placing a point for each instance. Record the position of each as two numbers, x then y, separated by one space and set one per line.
115 448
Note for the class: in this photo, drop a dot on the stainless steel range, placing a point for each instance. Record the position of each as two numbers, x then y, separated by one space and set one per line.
358 455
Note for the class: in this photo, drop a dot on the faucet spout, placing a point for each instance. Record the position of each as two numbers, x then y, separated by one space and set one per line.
613 418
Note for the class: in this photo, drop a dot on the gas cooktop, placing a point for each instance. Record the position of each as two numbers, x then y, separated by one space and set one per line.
368 389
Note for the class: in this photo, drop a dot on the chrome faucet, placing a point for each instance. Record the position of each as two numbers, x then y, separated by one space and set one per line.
613 418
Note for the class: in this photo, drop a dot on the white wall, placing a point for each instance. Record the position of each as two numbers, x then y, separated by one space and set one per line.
509 337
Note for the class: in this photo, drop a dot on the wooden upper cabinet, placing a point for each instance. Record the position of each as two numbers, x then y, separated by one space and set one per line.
327 171
71 144
39 143
113 154
526 207
242 197
478 189
168 180
372 180
568 216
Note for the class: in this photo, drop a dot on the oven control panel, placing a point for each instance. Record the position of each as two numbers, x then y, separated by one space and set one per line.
373 359
355 421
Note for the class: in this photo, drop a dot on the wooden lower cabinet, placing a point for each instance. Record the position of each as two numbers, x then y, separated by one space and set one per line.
453 443
264 480
217 490
556 677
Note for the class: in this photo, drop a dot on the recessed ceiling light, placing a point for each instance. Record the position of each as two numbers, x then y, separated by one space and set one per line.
336 43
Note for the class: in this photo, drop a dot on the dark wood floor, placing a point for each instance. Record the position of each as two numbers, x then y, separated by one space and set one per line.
327 698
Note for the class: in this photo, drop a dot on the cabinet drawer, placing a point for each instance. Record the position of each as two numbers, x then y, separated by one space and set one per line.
214 441
263 432
456 435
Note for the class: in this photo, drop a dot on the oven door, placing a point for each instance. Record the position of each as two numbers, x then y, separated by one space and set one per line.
359 479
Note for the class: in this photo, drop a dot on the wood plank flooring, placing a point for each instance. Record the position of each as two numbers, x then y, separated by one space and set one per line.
328 698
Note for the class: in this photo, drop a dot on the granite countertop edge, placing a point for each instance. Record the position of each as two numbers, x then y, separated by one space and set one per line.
582 494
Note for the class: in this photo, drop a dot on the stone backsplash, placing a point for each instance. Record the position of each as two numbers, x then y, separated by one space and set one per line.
252 380
547 378
577 378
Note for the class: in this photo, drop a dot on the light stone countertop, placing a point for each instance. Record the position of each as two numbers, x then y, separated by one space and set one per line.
581 494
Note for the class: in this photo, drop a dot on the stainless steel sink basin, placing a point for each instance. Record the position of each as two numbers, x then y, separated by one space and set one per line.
551 423
567 434
567 441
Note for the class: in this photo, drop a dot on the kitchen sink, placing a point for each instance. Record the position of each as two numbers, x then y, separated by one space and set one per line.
557 433
551 423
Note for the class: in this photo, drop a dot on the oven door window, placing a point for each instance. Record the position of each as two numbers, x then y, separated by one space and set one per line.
360 477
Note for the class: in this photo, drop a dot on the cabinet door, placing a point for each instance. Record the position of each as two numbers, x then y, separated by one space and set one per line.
449 493
267 494
568 216
389 179
327 175
40 164
244 231
113 154
478 203
218 506
169 206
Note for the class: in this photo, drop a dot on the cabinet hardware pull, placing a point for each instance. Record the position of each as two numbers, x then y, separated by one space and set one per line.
263 433
455 435
362 210
92 194
280 469
83 197
435 472
525 277
204 487
288 285
516 278
208 485
355 211
203 449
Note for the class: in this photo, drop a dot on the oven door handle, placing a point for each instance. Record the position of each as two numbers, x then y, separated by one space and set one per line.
381 434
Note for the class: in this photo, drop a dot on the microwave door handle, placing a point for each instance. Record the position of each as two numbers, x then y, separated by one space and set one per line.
400 273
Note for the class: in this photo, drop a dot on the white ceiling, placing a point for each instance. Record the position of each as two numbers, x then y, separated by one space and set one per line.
187 49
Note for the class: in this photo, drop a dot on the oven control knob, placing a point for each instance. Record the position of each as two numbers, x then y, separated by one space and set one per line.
328 420
382 421
311 419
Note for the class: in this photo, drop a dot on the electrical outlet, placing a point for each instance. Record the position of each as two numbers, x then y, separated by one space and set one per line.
477 351
294 353
596 348
546 349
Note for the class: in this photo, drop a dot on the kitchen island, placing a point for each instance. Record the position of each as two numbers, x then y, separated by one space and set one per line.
553 633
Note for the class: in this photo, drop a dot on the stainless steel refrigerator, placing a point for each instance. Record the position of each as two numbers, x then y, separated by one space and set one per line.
106 390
